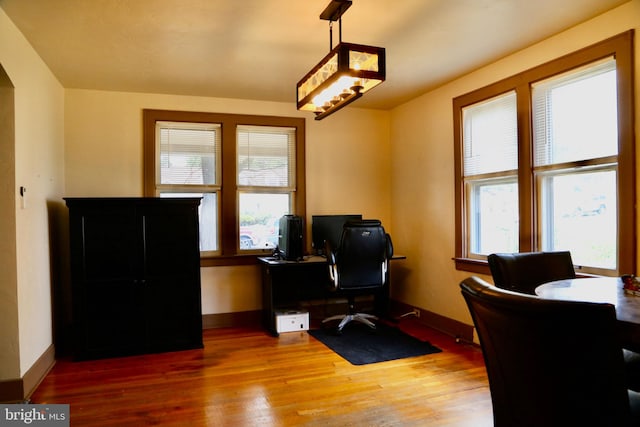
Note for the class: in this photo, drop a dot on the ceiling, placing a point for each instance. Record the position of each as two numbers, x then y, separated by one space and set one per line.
260 49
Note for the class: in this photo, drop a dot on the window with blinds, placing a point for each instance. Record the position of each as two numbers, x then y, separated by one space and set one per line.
575 115
545 161
266 159
490 148
248 171
189 165
491 128
575 127
189 153
266 156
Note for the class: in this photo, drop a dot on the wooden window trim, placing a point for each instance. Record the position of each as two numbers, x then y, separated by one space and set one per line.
228 218
620 46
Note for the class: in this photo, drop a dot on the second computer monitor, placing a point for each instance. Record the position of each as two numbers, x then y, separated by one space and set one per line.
328 228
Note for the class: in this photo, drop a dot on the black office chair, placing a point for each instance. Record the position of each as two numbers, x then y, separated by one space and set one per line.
550 362
359 266
524 271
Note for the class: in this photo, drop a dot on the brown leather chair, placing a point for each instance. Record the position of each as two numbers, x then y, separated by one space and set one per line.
524 271
549 362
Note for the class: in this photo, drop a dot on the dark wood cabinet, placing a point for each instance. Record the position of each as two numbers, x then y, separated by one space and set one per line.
135 273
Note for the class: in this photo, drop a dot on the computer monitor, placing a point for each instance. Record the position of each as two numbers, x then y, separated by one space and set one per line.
328 228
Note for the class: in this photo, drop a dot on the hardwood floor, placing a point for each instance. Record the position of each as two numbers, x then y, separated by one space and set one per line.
244 377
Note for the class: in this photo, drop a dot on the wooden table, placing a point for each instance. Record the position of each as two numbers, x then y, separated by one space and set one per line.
601 289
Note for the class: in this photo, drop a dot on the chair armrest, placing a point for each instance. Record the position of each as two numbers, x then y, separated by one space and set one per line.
331 262
389 246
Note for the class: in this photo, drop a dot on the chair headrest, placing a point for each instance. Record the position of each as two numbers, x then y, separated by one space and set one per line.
524 271
363 223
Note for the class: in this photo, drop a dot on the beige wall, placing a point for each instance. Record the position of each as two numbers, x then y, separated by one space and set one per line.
38 165
347 163
423 164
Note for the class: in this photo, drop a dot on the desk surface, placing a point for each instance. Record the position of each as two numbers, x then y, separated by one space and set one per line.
308 259
600 289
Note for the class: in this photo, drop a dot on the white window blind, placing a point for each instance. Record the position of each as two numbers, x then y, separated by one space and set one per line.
189 153
575 115
266 156
490 135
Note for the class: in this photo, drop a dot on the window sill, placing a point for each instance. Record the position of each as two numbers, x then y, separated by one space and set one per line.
230 260
472 265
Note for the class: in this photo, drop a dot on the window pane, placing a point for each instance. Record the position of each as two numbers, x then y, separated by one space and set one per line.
580 215
576 115
266 156
189 153
493 219
208 218
259 216
490 135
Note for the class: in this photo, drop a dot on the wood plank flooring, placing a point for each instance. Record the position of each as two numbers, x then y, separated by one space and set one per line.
244 377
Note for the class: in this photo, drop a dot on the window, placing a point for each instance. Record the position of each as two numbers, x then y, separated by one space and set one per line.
490 169
545 161
575 120
248 170
266 182
188 165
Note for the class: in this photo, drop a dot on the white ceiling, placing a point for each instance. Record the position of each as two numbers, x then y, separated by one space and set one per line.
259 49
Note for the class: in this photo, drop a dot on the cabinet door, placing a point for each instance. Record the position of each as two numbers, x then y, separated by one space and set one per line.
107 292
172 276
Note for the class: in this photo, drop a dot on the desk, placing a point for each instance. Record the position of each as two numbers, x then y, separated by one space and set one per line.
601 289
286 283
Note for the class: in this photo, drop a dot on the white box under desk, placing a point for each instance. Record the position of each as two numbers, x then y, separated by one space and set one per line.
291 321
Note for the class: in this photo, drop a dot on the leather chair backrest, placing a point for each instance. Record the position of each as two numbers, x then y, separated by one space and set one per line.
523 272
549 362
362 255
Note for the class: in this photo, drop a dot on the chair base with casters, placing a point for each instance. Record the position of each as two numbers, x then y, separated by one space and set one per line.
352 316
359 266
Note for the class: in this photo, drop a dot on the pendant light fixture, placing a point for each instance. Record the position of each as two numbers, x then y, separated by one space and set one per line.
344 75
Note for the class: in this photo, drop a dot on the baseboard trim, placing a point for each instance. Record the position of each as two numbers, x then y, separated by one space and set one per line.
20 389
433 320
225 320
451 327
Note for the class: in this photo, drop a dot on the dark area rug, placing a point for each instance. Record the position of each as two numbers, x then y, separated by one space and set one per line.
362 345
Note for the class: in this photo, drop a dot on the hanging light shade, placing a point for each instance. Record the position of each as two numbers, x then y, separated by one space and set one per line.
341 77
